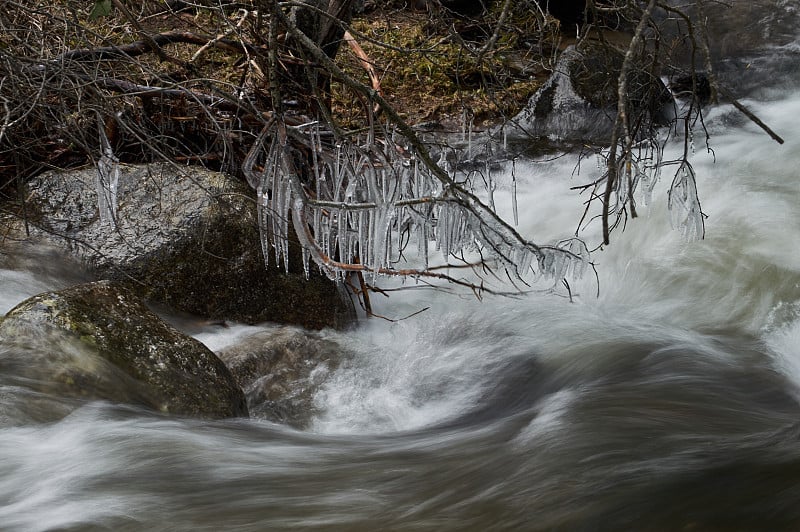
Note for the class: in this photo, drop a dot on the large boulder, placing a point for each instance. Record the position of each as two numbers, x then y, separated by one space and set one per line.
99 341
578 103
183 236
281 370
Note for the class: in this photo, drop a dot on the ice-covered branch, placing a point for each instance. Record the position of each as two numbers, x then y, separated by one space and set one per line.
684 204
366 201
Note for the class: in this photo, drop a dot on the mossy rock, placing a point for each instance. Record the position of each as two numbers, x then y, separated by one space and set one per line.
578 104
595 75
102 342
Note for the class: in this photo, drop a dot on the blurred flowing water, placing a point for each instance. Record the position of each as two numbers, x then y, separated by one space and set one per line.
670 401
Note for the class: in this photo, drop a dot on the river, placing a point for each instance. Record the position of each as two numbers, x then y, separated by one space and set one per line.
668 401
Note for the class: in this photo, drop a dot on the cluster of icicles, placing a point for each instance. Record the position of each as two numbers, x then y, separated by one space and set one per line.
364 204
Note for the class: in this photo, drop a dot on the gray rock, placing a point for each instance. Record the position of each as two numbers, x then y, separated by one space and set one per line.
281 370
99 341
578 104
185 237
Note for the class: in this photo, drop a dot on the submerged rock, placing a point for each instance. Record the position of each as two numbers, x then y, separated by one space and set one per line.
182 236
578 104
99 341
281 370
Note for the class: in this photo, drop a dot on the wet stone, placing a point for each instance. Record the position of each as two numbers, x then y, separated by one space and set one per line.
99 341
281 370
185 237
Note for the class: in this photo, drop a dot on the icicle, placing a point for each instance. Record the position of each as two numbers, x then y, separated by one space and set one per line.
352 241
514 206
386 191
392 230
416 183
350 192
553 264
560 265
374 248
523 260
686 213
684 205
306 253
282 244
424 239
405 178
444 229
107 177
373 192
320 169
459 238
468 231
316 147
381 236
647 183
490 186
622 182
360 233
341 232
263 223
322 235
107 181
576 257
316 224
340 173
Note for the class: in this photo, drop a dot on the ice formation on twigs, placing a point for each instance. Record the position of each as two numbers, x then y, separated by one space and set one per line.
361 204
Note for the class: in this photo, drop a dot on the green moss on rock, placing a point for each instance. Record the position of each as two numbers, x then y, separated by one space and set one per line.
166 369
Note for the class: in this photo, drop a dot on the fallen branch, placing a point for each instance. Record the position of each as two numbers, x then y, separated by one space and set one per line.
147 46
749 114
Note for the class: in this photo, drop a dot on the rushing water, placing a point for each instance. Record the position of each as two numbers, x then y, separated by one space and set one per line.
670 401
